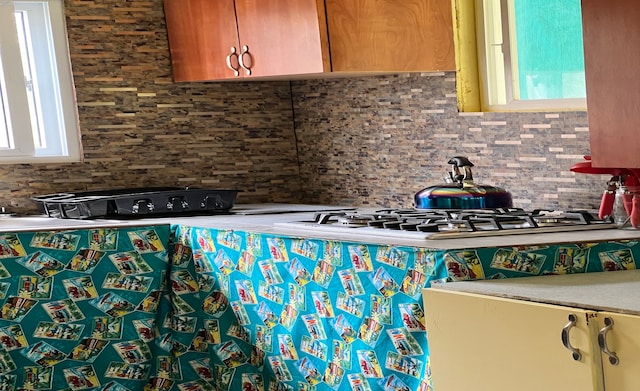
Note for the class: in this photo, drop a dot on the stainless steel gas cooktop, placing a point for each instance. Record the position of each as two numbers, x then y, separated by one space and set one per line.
448 224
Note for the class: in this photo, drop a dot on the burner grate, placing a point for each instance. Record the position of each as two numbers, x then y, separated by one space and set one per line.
435 220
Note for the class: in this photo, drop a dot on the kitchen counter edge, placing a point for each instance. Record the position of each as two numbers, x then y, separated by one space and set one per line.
615 291
260 218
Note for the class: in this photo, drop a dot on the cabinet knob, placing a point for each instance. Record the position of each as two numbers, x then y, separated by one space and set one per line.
234 54
602 341
575 353
241 59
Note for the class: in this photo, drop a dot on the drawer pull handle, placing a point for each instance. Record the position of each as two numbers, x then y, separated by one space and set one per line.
233 53
241 59
575 353
602 341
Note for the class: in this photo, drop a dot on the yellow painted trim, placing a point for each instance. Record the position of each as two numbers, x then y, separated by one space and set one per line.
466 51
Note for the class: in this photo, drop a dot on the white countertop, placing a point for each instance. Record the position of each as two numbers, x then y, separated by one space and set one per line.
264 218
604 291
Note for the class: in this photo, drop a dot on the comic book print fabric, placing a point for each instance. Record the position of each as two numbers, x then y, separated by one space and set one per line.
79 308
279 313
508 262
162 308
266 313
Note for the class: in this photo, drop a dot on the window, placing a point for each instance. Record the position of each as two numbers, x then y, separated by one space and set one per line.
38 113
528 55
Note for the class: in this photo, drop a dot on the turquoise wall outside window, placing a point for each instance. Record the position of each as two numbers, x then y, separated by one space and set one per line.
549 49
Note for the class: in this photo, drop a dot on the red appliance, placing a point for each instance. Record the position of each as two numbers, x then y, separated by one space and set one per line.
627 177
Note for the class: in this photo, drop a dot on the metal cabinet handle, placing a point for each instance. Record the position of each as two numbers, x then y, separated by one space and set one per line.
602 341
234 53
243 64
575 353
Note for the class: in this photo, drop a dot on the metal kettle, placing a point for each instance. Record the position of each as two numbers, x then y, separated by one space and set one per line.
462 192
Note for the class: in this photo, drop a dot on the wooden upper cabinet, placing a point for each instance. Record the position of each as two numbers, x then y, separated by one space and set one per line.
211 39
201 35
390 35
612 60
281 38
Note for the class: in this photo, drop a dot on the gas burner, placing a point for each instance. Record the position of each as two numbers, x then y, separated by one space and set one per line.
354 219
326 217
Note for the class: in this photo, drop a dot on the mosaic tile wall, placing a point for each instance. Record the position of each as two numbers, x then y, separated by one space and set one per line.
378 140
141 129
370 140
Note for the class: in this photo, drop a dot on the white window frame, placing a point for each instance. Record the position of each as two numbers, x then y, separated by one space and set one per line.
498 79
56 117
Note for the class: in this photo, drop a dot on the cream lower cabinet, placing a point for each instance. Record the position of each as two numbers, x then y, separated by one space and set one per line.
624 340
479 342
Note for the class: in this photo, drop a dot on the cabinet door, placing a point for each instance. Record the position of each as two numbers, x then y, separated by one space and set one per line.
201 35
624 340
611 59
283 36
485 343
390 35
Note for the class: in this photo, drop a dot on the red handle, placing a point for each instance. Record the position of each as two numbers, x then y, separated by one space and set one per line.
606 205
634 216
627 201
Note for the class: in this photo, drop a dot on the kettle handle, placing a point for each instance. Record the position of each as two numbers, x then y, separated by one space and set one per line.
461 171
460 161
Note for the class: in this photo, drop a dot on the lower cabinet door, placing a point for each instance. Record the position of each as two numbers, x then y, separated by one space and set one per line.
486 343
622 340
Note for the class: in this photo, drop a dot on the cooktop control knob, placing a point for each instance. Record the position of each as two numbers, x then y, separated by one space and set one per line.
142 206
177 204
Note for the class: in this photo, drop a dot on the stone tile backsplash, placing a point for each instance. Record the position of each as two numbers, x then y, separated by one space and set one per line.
365 141
378 140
